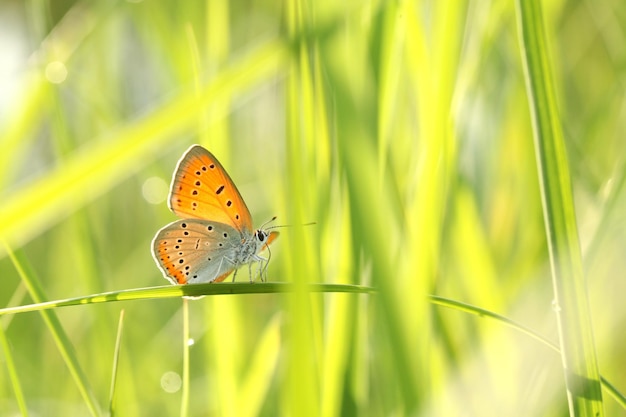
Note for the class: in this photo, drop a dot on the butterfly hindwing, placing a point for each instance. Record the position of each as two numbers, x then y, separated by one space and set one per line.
192 251
272 236
202 189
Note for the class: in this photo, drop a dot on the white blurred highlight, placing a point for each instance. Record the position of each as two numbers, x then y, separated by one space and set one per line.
154 190
171 382
56 72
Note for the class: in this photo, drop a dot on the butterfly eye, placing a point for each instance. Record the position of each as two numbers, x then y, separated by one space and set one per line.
260 235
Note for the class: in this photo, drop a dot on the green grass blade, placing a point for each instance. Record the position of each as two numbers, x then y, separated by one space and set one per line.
195 69
56 330
371 233
336 352
611 215
614 392
195 290
570 295
481 312
116 359
305 135
184 402
15 381
257 380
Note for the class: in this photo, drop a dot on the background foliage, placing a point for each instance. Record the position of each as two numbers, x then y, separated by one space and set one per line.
401 128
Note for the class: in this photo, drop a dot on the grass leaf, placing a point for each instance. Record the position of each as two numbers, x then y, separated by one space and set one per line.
570 294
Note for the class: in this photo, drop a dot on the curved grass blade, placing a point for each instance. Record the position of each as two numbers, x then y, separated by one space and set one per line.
56 330
193 290
116 358
15 381
468 308
582 378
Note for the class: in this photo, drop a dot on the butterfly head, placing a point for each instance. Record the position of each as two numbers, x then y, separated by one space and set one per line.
261 235
264 237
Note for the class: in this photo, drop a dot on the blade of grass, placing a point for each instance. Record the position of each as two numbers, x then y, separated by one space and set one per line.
344 323
460 306
20 293
56 330
116 359
336 350
372 234
194 290
433 44
302 394
225 366
571 305
184 401
225 362
611 213
257 380
202 124
15 381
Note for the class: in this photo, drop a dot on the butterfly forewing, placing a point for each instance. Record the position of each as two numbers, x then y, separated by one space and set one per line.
272 236
202 189
191 251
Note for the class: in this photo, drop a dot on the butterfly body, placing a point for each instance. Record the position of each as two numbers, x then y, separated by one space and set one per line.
215 236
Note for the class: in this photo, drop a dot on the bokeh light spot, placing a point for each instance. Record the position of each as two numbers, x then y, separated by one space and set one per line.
56 72
171 382
154 190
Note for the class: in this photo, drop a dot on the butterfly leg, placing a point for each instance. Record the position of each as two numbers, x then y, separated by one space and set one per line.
262 266
261 271
261 263
220 270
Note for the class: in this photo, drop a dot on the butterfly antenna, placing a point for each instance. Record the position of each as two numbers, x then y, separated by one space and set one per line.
267 222
287 225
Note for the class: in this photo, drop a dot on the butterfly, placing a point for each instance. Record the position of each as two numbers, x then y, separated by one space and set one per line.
215 236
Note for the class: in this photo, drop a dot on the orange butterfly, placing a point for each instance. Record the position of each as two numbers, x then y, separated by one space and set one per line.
215 236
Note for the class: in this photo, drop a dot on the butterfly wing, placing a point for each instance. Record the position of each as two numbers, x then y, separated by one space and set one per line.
202 189
270 238
194 251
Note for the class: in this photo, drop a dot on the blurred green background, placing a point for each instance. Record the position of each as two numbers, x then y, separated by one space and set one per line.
401 128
